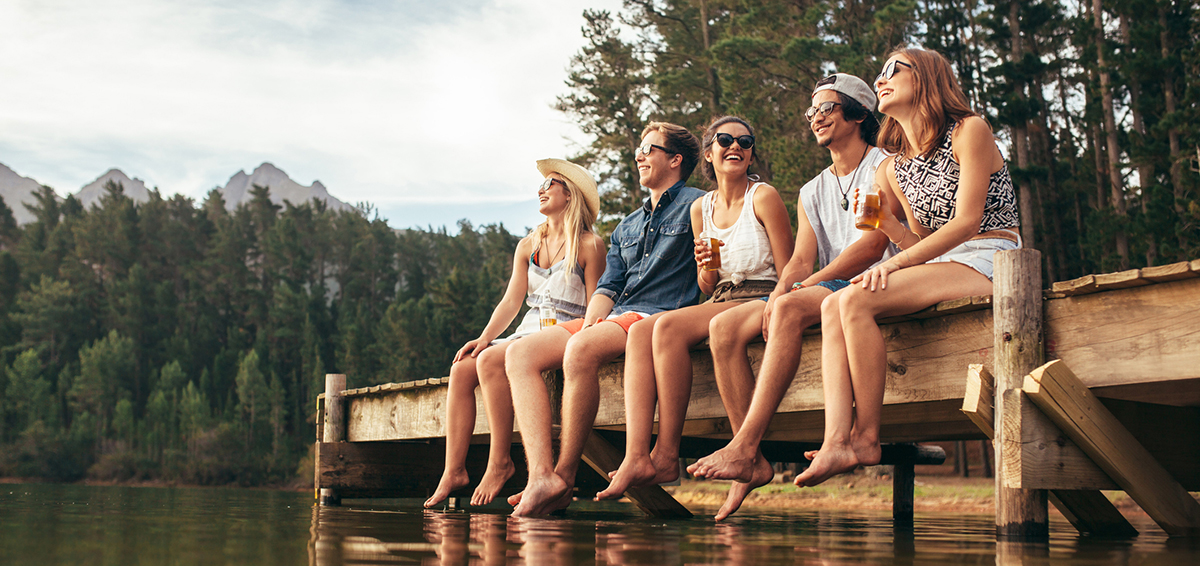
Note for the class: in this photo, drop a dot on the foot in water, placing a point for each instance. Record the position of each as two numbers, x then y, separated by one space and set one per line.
451 480
763 474
492 482
639 472
542 496
727 463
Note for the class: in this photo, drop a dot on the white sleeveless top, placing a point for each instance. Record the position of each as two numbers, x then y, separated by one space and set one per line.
745 249
561 287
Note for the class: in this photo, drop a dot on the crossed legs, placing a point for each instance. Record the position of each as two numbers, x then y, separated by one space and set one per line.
854 358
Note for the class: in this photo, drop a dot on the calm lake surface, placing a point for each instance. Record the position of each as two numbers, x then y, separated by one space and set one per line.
71 524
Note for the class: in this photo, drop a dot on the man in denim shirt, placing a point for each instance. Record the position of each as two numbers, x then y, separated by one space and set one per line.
650 269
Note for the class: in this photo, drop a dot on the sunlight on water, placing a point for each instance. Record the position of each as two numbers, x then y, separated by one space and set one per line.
56 524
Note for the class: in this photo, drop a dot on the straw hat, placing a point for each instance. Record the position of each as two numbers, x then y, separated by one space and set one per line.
575 175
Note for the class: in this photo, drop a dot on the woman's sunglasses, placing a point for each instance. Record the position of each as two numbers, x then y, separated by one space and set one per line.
889 70
726 140
549 182
825 108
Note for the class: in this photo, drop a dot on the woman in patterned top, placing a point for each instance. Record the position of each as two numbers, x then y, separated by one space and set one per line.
958 197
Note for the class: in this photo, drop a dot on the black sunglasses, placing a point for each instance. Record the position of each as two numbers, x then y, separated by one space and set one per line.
889 70
647 147
825 108
726 140
549 182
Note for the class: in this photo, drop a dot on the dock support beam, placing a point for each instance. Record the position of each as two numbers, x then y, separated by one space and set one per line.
1019 337
334 425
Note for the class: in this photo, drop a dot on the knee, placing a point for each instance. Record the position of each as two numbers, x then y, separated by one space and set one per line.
853 302
490 363
515 362
723 336
831 311
577 356
463 374
797 310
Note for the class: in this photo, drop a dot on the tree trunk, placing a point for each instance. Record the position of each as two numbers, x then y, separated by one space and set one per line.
1172 132
1144 167
714 82
1116 182
1020 137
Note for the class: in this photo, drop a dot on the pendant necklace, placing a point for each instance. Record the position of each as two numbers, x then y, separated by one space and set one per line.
845 201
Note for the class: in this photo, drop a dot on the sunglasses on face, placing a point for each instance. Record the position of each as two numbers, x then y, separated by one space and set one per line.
647 147
549 182
726 140
889 70
825 108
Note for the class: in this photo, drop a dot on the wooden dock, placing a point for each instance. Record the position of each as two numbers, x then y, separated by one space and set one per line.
1131 338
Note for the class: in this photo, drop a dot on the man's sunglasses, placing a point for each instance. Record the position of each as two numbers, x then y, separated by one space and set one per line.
647 147
726 140
549 182
825 108
889 70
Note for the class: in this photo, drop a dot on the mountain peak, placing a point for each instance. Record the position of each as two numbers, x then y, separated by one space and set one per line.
282 187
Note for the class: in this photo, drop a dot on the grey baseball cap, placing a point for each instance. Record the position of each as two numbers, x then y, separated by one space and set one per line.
848 85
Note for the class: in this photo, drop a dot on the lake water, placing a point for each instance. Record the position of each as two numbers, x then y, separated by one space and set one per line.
71 524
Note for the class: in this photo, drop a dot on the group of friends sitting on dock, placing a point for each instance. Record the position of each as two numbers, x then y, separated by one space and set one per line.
946 205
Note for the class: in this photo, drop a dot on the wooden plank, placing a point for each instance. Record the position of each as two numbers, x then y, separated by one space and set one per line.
1082 285
979 398
1069 403
652 500
1121 280
1042 457
1089 511
1139 335
1171 272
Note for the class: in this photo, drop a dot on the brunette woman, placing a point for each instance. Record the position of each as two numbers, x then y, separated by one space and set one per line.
957 195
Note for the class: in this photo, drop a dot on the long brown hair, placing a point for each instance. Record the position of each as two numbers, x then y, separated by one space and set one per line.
938 100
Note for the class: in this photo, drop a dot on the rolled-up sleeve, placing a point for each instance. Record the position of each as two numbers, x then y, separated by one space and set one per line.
615 271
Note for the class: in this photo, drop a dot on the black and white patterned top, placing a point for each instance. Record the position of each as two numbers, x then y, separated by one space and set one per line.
931 185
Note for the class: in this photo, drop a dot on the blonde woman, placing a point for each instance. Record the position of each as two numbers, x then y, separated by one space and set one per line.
749 220
957 196
558 264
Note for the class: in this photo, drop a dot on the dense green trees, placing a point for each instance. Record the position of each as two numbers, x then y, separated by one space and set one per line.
1095 101
185 342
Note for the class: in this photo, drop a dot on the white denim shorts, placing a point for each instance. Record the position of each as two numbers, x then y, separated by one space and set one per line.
977 254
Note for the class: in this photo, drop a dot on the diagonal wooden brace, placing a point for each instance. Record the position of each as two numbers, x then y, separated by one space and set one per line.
653 500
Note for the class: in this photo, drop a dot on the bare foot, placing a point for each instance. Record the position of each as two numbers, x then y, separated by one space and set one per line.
829 461
639 472
515 499
763 474
542 496
451 481
492 482
727 463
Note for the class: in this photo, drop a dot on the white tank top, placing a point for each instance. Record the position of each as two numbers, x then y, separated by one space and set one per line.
746 249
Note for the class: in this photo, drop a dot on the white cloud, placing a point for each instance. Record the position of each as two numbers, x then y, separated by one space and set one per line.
388 102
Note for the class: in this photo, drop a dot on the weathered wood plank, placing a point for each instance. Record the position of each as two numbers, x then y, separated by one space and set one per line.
1121 280
979 398
1041 456
1138 335
1085 284
652 500
1069 403
1171 272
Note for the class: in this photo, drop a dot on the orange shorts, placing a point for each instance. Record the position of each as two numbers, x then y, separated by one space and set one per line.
623 320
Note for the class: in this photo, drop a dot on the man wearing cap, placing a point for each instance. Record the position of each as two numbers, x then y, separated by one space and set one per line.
842 119
650 269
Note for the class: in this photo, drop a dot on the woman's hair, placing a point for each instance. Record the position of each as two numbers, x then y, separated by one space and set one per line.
711 133
938 100
679 140
853 110
577 220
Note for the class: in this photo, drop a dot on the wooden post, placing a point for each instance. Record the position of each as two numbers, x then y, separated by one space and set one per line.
903 485
1018 336
334 424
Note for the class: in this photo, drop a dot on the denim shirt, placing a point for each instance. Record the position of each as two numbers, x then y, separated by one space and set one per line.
650 265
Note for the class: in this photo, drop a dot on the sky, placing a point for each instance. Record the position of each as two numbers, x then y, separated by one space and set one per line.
432 111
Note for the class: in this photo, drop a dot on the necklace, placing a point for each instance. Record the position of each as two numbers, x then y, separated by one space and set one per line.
845 201
560 248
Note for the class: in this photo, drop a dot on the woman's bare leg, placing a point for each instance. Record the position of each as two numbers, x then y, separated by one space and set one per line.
497 399
641 397
857 357
460 423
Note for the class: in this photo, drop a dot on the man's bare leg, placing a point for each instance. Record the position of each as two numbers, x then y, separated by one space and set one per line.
793 313
526 360
549 489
